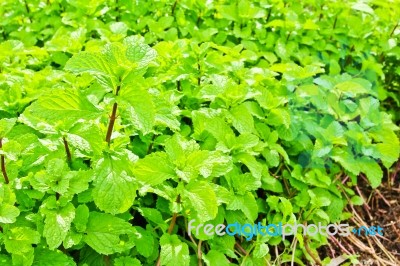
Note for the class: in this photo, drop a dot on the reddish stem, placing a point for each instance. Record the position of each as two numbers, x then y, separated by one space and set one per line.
112 119
3 164
67 150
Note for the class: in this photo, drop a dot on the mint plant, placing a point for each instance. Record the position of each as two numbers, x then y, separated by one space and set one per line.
122 121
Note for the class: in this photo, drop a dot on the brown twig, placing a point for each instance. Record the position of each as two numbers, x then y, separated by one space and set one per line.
3 164
339 245
394 174
113 116
383 198
67 150
394 28
362 196
242 250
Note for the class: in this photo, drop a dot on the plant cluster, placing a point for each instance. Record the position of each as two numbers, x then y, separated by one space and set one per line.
120 121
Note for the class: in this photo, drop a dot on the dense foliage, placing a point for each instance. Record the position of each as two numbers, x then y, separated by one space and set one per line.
123 120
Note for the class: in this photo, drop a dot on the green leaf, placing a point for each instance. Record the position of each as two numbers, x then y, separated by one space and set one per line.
81 217
126 261
5 260
214 257
357 200
114 187
242 119
138 51
279 117
346 159
389 152
8 213
44 257
319 197
154 169
145 244
173 251
115 62
246 203
372 170
57 224
353 87
19 240
66 106
139 107
153 215
25 258
107 234
260 250
6 124
201 198
95 64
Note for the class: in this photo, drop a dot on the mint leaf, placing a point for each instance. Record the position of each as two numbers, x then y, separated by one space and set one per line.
107 234
44 257
372 170
67 106
8 213
114 187
173 251
139 107
19 240
57 224
154 169
201 199
214 256
95 64
6 125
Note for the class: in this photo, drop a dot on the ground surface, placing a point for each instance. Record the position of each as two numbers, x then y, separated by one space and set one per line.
382 208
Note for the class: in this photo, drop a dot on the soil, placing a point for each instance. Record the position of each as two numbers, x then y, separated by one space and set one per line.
382 207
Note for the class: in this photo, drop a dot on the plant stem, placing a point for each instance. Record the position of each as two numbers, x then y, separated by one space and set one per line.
199 69
28 10
269 15
170 228
112 119
117 18
111 123
3 164
67 150
172 224
151 144
241 249
311 253
199 254
395 27
334 23
173 8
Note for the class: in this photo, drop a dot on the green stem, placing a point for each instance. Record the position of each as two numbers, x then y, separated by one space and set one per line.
170 228
199 254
